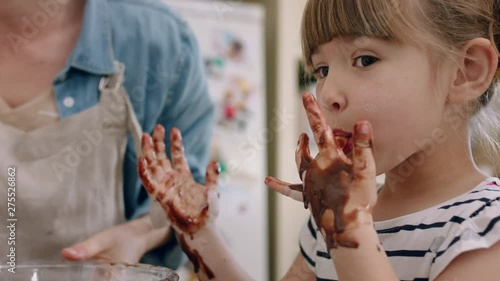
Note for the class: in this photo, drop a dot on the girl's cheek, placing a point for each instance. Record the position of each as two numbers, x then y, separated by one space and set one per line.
319 87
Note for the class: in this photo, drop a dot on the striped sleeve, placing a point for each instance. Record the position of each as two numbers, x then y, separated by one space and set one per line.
307 243
480 231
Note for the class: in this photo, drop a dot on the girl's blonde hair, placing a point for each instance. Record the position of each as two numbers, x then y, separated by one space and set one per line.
441 26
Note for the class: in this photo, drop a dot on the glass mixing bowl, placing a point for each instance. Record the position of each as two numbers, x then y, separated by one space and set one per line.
87 271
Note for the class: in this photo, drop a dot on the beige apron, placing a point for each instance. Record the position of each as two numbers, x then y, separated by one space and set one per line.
69 176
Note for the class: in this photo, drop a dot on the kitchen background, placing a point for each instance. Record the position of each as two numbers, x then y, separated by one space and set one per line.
252 55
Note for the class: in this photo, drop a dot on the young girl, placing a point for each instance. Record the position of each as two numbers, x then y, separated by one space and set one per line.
413 74
79 81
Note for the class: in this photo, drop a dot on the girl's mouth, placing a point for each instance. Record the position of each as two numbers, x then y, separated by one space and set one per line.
344 140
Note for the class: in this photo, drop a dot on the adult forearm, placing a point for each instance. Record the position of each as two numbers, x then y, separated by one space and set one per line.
211 257
366 262
151 237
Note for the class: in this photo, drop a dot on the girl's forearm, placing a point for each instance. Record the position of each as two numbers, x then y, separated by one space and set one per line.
366 262
211 257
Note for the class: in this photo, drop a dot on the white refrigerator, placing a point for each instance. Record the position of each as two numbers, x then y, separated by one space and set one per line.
231 39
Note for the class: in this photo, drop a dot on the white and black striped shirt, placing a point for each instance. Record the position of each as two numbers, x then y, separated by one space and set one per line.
420 245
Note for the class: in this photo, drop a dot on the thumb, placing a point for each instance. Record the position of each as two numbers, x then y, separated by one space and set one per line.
211 181
212 175
87 249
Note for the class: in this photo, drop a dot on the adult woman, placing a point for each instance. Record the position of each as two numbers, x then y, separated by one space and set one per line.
65 115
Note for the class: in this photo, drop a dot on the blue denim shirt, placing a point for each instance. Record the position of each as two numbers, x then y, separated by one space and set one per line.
164 78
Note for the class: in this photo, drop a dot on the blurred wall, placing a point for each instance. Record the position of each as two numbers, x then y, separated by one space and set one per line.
283 51
283 54
290 215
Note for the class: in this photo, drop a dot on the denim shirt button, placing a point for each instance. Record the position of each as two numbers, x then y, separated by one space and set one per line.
68 102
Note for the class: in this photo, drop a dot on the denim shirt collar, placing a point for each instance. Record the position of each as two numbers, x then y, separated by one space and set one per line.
93 52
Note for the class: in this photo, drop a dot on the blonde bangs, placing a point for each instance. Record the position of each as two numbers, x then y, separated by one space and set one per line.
324 20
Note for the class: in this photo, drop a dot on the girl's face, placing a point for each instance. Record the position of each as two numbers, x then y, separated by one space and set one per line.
391 85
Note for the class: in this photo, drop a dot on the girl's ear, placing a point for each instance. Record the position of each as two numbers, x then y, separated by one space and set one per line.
476 68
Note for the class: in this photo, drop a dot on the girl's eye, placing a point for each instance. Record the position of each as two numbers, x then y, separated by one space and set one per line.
321 72
365 61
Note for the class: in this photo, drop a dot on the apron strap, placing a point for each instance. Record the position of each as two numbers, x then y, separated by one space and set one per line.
114 84
134 128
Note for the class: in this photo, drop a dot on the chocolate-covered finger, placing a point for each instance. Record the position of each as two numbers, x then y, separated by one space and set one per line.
148 149
303 156
363 160
322 132
171 191
159 147
159 134
284 188
179 161
297 187
145 175
212 175
211 182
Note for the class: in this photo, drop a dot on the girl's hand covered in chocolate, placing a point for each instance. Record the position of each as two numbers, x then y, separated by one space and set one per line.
189 206
339 185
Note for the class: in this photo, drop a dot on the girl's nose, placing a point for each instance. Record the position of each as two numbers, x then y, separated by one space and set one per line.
332 92
333 101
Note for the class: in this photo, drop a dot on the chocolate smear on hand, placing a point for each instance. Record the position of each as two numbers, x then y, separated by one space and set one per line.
195 259
328 189
185 222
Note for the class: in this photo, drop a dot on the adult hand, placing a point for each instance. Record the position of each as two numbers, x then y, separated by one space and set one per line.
121 243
